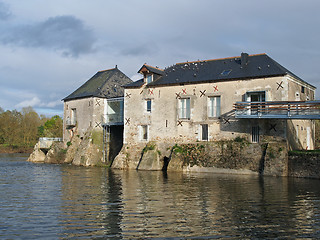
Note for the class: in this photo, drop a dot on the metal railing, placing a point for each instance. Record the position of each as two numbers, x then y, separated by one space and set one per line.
278 109
113 119
71 122
45 142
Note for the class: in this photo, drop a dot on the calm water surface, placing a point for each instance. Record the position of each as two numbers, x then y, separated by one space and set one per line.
42 201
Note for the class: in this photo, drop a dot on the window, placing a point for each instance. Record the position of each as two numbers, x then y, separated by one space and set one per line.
148 105
256 96
257 106
214 106
73 116
302 89
226 72
204 132
255 134
149 79
144 132
184 108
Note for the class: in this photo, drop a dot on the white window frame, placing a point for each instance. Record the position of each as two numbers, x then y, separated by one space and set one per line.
73 116
149 78
255 134
252 108
200 138
142 134
214 106
148 110
184 108
262 95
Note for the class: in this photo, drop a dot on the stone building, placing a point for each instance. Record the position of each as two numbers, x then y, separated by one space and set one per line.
97 107
249 97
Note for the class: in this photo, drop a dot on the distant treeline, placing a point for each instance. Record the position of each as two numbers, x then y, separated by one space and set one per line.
23 129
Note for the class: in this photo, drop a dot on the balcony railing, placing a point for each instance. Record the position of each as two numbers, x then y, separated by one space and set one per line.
113 119
45 142
71 122
278 109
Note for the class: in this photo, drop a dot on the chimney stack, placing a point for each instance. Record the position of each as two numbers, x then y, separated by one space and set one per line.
244 59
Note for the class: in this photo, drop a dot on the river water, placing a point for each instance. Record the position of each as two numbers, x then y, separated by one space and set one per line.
43 201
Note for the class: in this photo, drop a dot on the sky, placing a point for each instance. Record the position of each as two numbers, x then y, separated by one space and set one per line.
50 48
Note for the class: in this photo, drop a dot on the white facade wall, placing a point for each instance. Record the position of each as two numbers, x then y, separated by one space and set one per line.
163 122
89 113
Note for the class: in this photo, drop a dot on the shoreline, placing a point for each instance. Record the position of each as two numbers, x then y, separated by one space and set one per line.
15 149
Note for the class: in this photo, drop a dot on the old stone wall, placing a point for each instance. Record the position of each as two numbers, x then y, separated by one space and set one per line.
301 134
165 125
88 114
304 165
300 91
232 156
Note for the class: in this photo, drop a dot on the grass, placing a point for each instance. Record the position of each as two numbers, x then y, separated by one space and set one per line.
304 152
4 148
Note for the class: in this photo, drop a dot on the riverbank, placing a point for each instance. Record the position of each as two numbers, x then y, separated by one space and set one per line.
15 149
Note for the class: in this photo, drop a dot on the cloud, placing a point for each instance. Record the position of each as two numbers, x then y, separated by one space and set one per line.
136 77
36 102
149 48
62 33
4 11
53 104
29 103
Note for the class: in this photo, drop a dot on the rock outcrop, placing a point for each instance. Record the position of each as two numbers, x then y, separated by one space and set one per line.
37 155
56 153
85 151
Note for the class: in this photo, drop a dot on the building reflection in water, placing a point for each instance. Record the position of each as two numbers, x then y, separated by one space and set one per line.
132 204
92 202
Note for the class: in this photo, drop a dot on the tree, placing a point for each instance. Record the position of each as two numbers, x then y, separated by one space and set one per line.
29 126
10 127
24 128
51 128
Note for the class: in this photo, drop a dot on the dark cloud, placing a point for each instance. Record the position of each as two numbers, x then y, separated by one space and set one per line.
4 11
141 50
62 33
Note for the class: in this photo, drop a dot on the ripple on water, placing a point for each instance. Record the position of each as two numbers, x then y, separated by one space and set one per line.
63 201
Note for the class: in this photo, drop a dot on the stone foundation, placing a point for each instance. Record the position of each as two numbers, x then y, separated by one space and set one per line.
304 165
234 156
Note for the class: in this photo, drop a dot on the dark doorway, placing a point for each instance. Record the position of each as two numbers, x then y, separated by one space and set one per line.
204 132
113 141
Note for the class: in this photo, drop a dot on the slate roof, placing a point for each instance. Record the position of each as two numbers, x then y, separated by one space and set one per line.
225 69
135 84
155 70
104 84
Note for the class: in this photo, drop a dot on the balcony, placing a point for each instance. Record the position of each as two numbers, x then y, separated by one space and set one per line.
113 119
114 112
70 123
278 109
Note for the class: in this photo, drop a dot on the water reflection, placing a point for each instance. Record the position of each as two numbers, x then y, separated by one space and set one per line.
92 202
131 204
68 202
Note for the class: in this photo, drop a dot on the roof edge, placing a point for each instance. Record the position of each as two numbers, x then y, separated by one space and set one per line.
208 81
217 59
